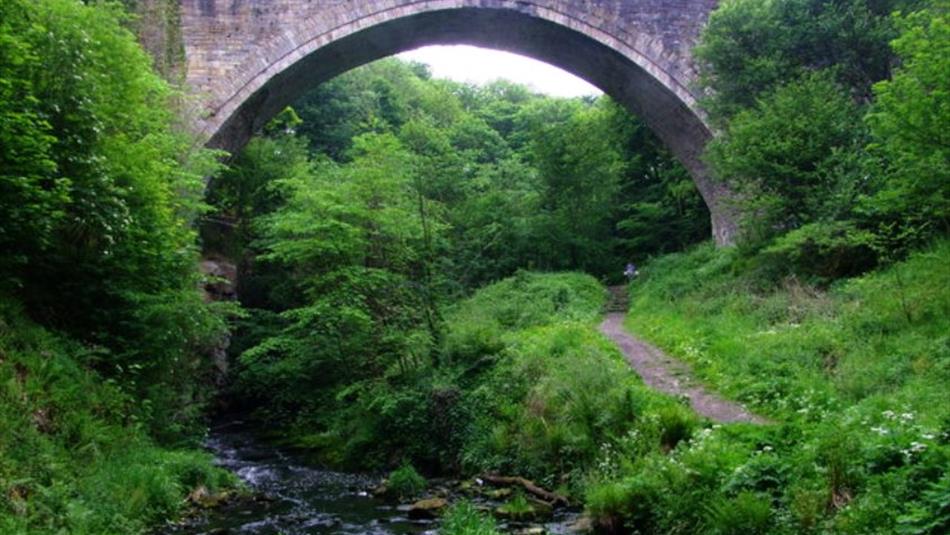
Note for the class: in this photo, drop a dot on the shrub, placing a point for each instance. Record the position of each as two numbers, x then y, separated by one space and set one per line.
749 47
98 200
676 424
746 514
405 482
634 504
787 170
607 503
908 122
463 518
822 251
932 515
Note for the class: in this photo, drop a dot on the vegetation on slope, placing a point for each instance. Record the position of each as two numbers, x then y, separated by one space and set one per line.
99 190
352 260
854 377
839 158
837 176
75 457
102 332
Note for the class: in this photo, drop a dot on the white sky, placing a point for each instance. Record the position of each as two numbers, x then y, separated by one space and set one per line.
465 63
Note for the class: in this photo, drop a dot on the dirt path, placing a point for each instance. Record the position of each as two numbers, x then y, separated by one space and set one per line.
672 376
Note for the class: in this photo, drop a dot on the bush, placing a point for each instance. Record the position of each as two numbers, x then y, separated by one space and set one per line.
558 394
932 515
750 47
405 482
607 504
631 505
98 193
822 252
908 122
676 424
791 157
746 514
463 518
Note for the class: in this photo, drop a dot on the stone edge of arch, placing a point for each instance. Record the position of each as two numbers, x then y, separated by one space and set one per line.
308 36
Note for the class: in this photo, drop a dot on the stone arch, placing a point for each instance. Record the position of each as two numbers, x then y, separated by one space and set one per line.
248 59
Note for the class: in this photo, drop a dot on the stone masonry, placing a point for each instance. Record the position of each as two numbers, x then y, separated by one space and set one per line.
248 59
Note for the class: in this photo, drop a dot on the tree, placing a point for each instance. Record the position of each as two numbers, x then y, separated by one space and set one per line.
750 47
790 157
34 196
99 191
909 128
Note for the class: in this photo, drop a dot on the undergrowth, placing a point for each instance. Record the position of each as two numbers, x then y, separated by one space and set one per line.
72 460
854 377
464 518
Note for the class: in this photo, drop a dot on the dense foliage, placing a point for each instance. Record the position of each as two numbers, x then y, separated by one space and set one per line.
856 379
516 179
396 240
820 113
98 191
421 190
831 165
98 194
74 456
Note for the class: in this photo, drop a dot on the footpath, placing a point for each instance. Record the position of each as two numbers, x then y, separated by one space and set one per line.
664 373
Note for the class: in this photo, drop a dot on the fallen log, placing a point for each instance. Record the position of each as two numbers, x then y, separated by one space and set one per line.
552 499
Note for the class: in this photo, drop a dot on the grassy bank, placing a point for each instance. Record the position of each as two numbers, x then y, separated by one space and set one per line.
856 377
522 384
558 397
73 459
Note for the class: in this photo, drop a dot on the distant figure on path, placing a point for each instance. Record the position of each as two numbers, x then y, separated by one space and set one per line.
630 272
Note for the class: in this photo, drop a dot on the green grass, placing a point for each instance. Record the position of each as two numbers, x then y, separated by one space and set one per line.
855 376
71 459
476 326
797 352
557 398
464 519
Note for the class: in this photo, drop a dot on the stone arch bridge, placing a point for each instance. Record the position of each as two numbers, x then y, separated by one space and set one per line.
248 59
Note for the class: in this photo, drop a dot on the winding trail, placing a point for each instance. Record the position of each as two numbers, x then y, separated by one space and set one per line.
667 374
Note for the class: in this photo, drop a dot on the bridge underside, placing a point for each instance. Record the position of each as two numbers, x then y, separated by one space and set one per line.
242 105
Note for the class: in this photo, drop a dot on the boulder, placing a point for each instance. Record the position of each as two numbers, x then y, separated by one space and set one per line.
499 494
203 498
582 525
427 509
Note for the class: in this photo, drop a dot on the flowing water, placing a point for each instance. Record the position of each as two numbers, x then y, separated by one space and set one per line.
295 498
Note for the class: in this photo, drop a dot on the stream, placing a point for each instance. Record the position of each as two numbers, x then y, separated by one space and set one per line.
293 497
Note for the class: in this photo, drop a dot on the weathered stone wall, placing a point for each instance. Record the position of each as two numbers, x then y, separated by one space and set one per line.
247 59
158 25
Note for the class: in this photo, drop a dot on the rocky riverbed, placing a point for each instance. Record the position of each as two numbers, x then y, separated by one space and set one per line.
286 495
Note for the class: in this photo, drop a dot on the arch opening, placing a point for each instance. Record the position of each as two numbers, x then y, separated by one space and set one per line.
630 78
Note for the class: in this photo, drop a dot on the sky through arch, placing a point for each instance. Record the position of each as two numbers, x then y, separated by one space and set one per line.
465 63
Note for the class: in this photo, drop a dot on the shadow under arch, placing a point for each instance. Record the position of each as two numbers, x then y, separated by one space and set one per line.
629 77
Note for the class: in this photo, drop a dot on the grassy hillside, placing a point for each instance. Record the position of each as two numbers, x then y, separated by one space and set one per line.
556 396
72 459
855 376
